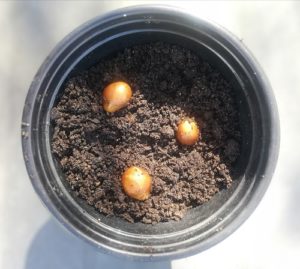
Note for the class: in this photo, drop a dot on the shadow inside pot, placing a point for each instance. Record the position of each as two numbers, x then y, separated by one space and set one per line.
53 247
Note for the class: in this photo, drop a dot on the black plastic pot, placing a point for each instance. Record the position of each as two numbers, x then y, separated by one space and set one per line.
203 226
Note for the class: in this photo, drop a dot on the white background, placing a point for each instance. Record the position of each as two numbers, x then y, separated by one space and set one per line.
31 239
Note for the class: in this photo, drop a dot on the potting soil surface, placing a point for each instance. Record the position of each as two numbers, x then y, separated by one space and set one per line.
169 83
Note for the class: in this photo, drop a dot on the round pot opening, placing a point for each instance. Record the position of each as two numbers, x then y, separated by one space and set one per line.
203 226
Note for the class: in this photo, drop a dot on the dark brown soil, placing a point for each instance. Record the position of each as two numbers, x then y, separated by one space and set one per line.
169 83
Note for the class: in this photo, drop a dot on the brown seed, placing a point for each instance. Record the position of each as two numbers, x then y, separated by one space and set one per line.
187 132
137 183
116 96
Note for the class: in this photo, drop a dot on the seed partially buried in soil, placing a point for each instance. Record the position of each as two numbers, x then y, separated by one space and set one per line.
188 132
137 183
116 96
